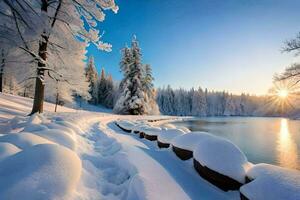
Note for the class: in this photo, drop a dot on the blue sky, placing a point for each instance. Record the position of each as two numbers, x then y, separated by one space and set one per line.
231 45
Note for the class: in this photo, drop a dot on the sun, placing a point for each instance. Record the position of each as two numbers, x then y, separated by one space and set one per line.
283 93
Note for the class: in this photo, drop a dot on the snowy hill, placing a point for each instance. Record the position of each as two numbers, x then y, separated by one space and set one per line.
84 155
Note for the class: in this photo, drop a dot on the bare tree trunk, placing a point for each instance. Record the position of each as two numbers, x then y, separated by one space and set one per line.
56 101
2 70
39 81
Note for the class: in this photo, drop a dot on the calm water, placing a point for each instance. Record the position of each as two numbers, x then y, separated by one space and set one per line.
269 140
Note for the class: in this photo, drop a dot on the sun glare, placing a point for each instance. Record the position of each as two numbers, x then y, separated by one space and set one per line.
283 93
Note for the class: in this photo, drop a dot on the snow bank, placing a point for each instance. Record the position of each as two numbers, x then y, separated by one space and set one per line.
43 171
59 137
7 149
23 140
221 156
189 141
168 135
271 182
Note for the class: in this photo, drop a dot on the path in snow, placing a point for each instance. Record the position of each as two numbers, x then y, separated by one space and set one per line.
106 175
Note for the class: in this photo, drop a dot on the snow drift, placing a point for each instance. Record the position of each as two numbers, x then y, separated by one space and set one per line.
271 182
44 171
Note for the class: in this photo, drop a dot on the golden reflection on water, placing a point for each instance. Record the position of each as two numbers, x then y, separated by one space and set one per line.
286 147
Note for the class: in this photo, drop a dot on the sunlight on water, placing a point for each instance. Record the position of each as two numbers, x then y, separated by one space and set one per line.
286 147
263 140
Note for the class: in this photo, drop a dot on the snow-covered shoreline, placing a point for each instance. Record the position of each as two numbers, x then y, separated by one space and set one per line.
104 161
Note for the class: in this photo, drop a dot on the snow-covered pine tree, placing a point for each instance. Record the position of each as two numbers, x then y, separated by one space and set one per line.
199 103
125 65
102 87
136 101
109 92
92 78
123 93
150 93
137 95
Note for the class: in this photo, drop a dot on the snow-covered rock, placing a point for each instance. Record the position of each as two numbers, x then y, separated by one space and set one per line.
271 182
183 145
166 137
140 128
59 137
24 140
151 133
168 126
189 141
7 149
154 131
221 163
184 129
126 125
45 171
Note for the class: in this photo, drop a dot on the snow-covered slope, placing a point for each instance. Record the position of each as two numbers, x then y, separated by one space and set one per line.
83 155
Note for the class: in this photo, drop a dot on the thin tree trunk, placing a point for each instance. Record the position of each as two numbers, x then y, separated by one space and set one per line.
39 81
2 70
56 101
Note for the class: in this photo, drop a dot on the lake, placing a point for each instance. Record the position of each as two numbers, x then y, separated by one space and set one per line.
269 140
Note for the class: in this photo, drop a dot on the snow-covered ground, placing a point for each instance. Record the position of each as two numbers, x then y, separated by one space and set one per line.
83 155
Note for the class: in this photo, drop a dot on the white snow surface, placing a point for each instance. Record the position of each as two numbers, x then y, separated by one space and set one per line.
126 124
83 155
24 140
168 135
221 156
272 182
7 149
153 131
45 171
189 141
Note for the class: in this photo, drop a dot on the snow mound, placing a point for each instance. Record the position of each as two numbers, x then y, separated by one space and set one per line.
35 127
59 137
35 119
168 135
70 125
7 149
61 127
153 131
44 171
184 129
190 140
141 127
168 126
126 124
272 182
23 140
221 156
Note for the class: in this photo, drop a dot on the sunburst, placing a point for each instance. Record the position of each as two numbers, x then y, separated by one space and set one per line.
282 96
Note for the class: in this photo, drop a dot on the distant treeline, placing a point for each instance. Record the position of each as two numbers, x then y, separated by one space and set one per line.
198 102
